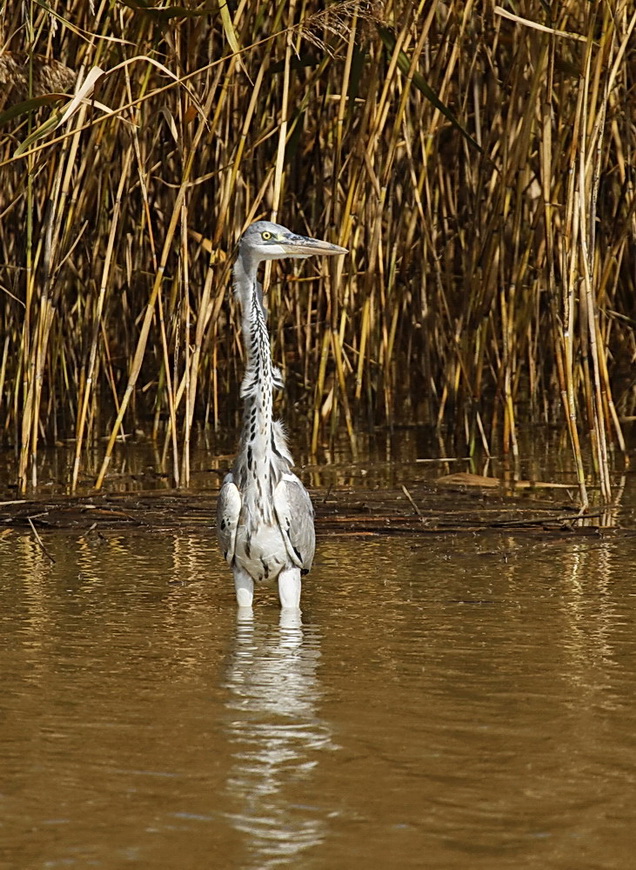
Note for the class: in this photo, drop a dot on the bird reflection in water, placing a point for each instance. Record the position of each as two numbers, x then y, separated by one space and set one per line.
277 738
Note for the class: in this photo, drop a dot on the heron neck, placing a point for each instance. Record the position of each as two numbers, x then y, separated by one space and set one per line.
257 386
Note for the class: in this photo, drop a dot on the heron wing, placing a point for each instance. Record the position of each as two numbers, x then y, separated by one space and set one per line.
295 515
228 511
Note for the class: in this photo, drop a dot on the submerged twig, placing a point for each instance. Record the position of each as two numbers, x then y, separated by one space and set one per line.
410 498
40 542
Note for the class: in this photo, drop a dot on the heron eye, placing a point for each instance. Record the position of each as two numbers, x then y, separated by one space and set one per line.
266 236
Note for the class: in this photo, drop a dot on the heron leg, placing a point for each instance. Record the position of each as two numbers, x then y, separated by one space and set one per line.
289 587
244 586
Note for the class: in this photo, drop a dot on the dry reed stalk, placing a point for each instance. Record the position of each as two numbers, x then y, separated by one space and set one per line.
476 162
87 381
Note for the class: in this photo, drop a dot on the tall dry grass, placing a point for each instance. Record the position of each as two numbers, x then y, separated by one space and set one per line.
478 164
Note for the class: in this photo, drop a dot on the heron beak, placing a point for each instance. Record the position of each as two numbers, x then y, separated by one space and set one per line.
303 246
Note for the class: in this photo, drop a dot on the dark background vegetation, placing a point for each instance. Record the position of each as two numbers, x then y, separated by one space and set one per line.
478 164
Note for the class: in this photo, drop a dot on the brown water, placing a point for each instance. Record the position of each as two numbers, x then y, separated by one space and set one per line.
446 702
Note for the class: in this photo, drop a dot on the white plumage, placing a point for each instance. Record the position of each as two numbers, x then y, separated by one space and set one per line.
265 519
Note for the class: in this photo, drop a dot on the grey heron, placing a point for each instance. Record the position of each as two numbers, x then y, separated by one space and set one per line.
265 518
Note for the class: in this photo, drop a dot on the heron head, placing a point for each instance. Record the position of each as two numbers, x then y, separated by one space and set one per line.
265 240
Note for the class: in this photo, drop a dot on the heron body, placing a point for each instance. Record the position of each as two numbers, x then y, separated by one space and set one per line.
265 519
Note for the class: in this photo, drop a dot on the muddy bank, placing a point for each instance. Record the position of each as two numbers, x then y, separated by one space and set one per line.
449 506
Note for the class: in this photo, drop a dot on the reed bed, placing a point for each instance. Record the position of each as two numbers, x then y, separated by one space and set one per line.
478 163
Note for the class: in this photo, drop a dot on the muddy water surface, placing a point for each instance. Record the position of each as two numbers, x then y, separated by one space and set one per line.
448 702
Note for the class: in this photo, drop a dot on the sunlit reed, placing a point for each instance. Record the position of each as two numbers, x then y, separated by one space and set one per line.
477 162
